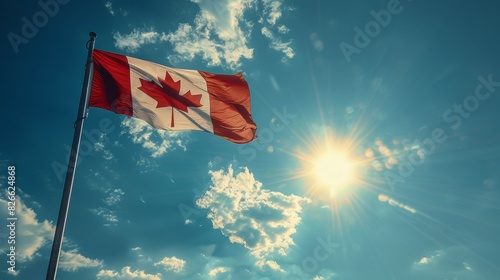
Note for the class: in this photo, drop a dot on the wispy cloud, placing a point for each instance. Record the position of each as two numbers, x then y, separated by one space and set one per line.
108 215
109 6
111 10
272 13
277 44
263 221
100 146
447 263
114 197
171 264
157 142
136 39
271 264
127 273
72 261
272 10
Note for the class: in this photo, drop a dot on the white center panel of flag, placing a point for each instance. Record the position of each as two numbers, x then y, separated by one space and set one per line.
191 116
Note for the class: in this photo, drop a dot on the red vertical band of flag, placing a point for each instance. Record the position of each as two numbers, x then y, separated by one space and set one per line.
111 83
227 113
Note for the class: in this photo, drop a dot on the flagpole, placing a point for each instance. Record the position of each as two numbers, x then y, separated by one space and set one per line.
70 173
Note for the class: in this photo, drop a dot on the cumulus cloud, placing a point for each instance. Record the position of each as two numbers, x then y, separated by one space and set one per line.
31 234
133 41
157 142
263 221
126 274
72 261
219 34
172 264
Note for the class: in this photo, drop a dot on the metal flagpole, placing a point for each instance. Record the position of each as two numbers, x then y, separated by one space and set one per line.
70 173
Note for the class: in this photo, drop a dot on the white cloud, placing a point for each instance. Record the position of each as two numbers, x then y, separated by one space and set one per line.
114 197
423 261
217 270
283 29
427 261
31 235
448 263
100 146
219 34
156 141
107 214
72 261
263 221
277 44
126 274
273 12
271 264
109 6
172 264
134 40
272 9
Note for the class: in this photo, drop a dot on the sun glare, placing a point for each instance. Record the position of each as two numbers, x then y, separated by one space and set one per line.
333 166
334 169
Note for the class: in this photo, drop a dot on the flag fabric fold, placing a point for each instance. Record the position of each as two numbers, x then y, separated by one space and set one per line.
171 98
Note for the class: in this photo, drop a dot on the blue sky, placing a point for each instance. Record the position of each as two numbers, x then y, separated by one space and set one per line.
378 154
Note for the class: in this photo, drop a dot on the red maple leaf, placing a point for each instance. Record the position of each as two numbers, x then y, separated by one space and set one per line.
167 93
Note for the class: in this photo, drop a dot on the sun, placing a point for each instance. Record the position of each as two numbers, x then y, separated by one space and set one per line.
334 169
332 165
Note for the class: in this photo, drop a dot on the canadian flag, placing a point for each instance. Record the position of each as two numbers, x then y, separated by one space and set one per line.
173 99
